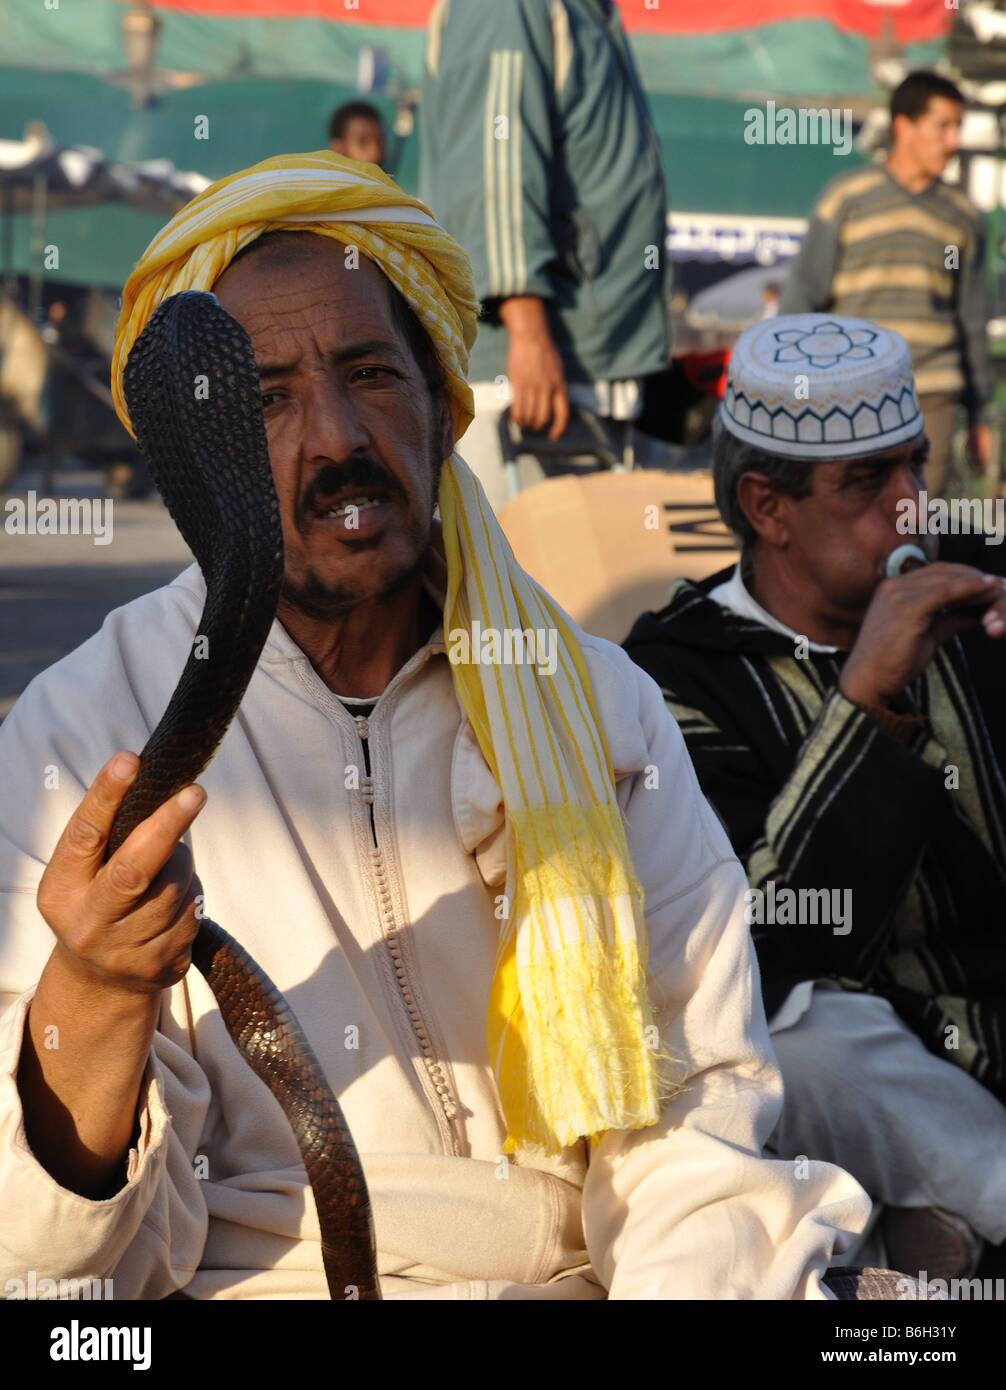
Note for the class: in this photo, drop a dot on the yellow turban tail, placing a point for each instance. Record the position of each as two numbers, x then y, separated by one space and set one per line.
569 1020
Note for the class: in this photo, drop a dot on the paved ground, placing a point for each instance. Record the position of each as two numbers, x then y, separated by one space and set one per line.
56 590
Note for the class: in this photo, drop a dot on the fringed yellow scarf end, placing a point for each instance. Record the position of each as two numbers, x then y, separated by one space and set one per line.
577 1050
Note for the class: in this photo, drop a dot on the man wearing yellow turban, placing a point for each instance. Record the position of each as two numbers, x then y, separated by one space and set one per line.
435 823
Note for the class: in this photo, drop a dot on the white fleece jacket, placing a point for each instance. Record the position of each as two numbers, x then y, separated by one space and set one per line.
386 955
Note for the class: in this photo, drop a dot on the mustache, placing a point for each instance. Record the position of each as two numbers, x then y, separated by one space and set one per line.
360 473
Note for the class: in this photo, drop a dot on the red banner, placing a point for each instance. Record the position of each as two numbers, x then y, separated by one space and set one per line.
911 21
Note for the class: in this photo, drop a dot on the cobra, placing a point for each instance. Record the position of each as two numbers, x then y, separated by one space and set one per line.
192 389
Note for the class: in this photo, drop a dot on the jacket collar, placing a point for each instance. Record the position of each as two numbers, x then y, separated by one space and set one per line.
693 619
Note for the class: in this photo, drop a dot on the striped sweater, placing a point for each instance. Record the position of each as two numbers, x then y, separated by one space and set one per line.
875 251
815 796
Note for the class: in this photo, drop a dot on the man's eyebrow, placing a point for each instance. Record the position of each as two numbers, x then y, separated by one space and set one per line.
864 468
858 468
854 467
347 354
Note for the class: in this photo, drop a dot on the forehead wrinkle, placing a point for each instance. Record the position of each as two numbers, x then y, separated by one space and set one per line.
285 310
288 310
285 283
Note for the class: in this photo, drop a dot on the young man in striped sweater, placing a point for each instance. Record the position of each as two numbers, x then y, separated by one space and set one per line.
895 244
847 728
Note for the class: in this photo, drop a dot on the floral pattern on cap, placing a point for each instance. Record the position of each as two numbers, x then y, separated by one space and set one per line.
817 386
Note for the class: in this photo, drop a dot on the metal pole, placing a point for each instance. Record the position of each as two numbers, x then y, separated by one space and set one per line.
38 200
7 252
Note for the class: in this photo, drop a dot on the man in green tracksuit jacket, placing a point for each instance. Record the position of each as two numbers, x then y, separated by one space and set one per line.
538 156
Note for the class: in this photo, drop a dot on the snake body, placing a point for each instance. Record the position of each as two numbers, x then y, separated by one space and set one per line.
191 385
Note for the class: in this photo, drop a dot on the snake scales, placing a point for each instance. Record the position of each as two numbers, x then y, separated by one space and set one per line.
192 388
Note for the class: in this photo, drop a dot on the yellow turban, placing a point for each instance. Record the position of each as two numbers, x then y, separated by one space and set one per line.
323 192
569 1030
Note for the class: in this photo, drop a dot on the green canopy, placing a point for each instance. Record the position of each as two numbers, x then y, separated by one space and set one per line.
246 122
724 49
708 166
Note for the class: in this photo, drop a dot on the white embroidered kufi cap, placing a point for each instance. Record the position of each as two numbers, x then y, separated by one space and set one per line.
816 386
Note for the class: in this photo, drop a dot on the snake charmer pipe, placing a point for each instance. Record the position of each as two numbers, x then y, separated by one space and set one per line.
191 385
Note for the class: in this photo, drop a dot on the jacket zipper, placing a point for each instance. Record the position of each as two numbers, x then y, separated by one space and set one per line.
389 927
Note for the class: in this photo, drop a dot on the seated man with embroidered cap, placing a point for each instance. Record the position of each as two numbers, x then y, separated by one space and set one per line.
847 728
442 865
